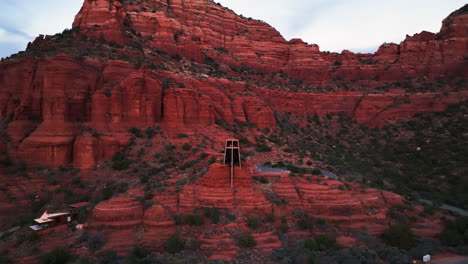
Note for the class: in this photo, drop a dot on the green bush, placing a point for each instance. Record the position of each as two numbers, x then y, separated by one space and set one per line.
316 171
56 256
311 244
186 147
399 235
305 223
174 244
262 147
253 222
136 255
107 92
136 131
283 228
326 241
150 132
261 179
194 220
120 161
213 214
109 257
455 232
247 241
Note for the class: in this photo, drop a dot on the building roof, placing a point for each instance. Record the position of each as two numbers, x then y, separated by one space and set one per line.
78 205
47 218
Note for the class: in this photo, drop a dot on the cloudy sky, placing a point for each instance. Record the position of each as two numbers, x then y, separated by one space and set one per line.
356 25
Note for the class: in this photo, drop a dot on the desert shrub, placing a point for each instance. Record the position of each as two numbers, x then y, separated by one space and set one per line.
246 241
393 255
261 179
213 214
95 242
321 221
120 161
311 244
316 171
174 244
56 256
136 255
455 232
230 217
326 241
283 228
262 147
305 223
109 257
108 92
194 220
253 222
150 132
108 191
182 135
399 235
188 164
186 147
136 131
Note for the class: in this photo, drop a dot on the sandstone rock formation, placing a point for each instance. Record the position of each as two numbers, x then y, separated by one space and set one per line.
214 190
194 28
53 101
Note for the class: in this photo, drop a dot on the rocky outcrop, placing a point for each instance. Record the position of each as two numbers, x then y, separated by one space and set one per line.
68 111
214 190
159 225
373 110
117 213
352 206
194 28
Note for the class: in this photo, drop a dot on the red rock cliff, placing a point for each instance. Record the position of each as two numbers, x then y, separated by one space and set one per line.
71 111
196 27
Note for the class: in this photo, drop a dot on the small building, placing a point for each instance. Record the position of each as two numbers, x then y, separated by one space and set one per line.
61 217
51 219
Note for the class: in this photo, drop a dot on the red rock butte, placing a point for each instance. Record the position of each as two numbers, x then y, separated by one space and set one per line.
53 100
214 190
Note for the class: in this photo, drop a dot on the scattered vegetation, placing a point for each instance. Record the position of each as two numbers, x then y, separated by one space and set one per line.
174 244
247 241
455 232
120 161
56 256
399 235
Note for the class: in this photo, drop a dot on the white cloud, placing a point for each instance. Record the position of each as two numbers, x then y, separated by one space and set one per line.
358 25
22 20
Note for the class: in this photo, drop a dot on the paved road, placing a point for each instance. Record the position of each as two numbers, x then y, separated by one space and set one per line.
329 175
265 169
261 168
451 260
447 207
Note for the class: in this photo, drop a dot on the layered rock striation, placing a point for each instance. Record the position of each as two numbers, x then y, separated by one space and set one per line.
65 110
214 190
199 28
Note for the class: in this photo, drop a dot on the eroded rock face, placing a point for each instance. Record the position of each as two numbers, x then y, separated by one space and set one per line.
353 206
55 101
214 190
119 213
193 28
